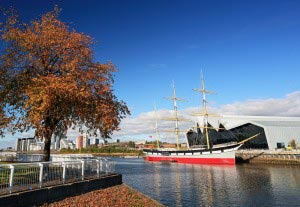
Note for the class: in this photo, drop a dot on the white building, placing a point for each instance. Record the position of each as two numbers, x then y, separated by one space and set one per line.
94 141
276 131
86 141
67 144
23 144
37 146
31 144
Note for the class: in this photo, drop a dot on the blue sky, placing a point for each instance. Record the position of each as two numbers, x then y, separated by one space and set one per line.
248 50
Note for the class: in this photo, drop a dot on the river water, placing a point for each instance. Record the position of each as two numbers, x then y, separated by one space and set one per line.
175 184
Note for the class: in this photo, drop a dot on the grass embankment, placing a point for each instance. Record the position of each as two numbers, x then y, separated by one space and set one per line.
105 151
6 162
120 195
115 154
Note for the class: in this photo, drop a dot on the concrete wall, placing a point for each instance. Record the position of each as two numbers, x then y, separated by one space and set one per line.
54 193
268 156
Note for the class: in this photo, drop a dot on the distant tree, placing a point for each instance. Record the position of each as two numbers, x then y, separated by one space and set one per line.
131 144
49 81
292 144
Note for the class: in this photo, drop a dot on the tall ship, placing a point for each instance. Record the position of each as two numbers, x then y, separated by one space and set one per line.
199 147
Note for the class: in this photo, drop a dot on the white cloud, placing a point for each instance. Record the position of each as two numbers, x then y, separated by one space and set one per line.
143 126
287 106
140 127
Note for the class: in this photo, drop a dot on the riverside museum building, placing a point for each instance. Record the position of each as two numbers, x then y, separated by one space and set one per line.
275 132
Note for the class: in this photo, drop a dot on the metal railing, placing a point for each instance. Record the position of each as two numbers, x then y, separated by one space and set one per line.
28 176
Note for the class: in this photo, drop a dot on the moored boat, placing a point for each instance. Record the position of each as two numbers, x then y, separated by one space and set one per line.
208 153
216 155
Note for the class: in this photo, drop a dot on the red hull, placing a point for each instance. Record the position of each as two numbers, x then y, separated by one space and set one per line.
227 161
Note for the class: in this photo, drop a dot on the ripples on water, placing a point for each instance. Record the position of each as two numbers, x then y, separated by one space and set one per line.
213 185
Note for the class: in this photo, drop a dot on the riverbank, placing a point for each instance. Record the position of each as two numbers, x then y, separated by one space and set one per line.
268 156
120 195
105 151
134 155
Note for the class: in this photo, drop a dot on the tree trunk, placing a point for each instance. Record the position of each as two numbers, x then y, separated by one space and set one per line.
48 131
46 154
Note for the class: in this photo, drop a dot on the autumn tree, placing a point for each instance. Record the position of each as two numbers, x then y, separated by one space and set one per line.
49 81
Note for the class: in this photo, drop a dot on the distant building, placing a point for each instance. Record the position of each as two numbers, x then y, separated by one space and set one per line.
31 144
140 144
18 145
37 146
23 144
275 132
67 144
61 134
57 144
183 145
94 141
79 142
9 149
82 141
97 141
168 145
86 141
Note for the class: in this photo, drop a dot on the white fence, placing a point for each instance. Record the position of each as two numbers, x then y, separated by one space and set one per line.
25 157
27 176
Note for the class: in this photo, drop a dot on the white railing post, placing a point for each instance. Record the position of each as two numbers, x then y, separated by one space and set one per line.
107 167
82 169
111 166
59 172
98 168
41 174
101 165
64 172
11 178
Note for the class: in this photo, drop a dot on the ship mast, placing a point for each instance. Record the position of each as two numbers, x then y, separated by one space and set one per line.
176 119
156 127
205 113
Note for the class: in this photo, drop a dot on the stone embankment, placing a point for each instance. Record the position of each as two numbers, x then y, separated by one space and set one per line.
120 195
268 156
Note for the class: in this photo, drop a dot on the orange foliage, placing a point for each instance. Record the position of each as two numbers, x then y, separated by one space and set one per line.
49 78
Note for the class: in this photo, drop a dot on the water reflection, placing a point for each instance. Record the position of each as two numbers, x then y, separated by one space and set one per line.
157 180
209 185
178 186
